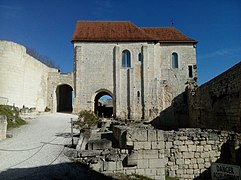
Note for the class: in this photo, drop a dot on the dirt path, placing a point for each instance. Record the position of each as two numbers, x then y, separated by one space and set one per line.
36 151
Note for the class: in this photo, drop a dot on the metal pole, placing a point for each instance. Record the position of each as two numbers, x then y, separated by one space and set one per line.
72 137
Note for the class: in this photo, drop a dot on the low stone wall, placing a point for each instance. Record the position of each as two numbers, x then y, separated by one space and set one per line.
140 149
186 153
3 127
145 150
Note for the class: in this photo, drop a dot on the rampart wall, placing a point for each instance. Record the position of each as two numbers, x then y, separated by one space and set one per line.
217 103
23 79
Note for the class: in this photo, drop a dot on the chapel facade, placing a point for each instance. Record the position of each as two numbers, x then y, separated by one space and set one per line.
141 69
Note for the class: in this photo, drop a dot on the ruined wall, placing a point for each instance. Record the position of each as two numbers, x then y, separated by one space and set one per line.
56 79
217 103
186 153
23 79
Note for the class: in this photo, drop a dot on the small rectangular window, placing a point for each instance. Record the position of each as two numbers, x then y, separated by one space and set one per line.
190 71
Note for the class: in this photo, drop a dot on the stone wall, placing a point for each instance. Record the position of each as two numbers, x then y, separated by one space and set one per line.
186 153
56 79
23 78
3 127
190 152
217 103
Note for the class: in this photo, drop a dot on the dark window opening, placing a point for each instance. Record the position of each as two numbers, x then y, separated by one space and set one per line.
140 57
126 58
190 71
174 60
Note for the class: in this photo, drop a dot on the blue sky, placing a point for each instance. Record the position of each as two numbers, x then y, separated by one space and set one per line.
47 26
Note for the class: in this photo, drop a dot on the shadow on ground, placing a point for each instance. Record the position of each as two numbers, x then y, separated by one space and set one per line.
57 172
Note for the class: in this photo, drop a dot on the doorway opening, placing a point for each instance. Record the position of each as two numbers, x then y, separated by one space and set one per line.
64 95
104 104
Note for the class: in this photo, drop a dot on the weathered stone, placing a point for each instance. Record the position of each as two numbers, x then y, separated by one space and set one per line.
156 163
183 148
180 161
99 144
168 145
158 145
151 135
3 127
142 163
142 145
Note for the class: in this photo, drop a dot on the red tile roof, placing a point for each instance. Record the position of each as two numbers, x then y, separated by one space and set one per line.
124 31
168 34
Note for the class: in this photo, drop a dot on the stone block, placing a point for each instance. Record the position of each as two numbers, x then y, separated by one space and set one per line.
151 135
169 145
197 154
173 168
3 127
179 161
156 163
183 148
187 142
142 145
148 154
130 171
187 161
109 166
188 154
204 154
99 144
189 171
158 145
160 171
201 166
98 166
160 135
140 171
192 148
207 147
137 134
199 148
200 160
180 172
178 142
142 163
150 172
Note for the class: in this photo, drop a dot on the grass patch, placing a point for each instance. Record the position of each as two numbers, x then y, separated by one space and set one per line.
13 117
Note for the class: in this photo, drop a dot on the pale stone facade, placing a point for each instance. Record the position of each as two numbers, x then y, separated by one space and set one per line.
140 91
23 79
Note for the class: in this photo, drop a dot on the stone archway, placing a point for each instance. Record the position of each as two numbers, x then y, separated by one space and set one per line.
103 106
64 97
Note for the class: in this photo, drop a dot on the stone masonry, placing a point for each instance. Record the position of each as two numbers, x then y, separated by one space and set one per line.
140 149
3 127
217 103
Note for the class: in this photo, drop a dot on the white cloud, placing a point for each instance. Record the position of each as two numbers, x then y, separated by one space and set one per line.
103 8
220 52
6 7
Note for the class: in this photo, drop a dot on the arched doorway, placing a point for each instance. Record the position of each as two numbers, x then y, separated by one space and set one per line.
104 104
64 98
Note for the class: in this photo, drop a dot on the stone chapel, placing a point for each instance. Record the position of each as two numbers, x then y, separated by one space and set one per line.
141 68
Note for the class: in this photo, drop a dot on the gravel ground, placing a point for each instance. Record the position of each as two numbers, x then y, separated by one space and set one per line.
36 151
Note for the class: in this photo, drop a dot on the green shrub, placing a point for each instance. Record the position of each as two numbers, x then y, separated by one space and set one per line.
13 117
87 119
